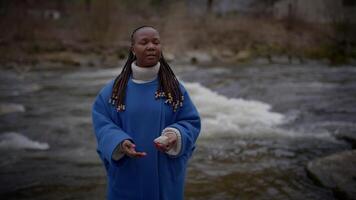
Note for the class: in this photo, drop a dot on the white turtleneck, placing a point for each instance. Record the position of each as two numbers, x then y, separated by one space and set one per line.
142 75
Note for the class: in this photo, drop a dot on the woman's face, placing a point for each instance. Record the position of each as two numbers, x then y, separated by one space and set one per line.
146 46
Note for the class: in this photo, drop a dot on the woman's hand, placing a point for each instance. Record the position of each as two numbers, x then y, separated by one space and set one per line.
168 142
128 148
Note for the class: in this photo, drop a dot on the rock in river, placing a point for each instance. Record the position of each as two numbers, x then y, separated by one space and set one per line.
349 137
337 172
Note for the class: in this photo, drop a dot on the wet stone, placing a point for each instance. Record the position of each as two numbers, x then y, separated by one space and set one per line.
336 172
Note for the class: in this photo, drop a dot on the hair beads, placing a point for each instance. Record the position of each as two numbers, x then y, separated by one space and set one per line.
170 100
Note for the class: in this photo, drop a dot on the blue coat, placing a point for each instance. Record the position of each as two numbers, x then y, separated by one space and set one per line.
157 176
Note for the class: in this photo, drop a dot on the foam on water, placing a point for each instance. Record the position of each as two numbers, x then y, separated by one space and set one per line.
102 73
14 140
225 116
6 108
221 116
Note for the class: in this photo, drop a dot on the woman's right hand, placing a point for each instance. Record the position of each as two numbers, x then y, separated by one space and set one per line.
128 148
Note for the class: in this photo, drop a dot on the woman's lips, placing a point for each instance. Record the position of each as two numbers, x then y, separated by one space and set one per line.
150 56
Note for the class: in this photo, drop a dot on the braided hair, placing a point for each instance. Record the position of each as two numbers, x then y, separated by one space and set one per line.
168 87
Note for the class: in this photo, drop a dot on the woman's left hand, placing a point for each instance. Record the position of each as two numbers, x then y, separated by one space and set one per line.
171 142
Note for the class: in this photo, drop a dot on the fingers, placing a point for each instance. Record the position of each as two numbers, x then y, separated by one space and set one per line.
138 154
169 143
161 147
135 154
129 150
127 144
172 140
163 144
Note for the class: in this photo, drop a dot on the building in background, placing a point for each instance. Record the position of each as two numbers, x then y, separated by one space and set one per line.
319 11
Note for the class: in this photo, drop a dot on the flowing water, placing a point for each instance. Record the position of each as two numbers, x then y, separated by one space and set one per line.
260 127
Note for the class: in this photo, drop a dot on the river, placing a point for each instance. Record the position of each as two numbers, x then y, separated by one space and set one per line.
260 126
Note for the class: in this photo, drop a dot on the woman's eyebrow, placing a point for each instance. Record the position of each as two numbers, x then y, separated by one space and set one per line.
147 38
143 39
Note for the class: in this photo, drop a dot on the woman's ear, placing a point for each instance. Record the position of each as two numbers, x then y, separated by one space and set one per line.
132 50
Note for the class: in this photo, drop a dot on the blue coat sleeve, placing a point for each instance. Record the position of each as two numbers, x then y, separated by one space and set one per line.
188 123
108 134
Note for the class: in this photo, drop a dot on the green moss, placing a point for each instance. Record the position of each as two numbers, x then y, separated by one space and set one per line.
353 53
267 50
336 54
316 53
121 54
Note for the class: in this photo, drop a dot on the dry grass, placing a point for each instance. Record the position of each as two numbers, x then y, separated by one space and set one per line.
105 30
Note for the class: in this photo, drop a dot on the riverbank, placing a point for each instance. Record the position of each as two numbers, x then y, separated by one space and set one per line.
57 56
84 38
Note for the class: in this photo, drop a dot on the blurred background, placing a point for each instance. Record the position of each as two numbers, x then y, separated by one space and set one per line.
273 80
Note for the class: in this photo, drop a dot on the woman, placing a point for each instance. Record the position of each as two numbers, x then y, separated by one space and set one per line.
146 125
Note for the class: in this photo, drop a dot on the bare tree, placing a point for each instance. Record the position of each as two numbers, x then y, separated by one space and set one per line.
210 6
88 5
343 30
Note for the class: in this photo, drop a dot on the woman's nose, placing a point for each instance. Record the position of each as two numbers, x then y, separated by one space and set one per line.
151 46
